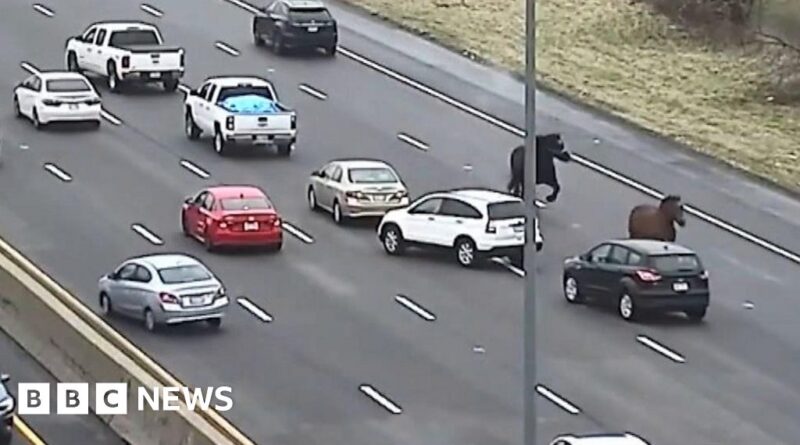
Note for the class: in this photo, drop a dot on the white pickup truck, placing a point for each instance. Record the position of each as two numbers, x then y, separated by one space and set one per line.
240 110
126 52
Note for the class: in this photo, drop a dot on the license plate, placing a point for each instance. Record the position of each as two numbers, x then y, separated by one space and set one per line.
519 229
73 106
250 226
680 287
155 75
196 301
380 198
313 28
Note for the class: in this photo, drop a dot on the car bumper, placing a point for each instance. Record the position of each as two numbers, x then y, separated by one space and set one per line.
310 40
672 302
151 76
176 314
260 139
270 238
64 114
365 210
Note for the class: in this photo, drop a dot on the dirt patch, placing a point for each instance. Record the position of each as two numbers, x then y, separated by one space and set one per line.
637 64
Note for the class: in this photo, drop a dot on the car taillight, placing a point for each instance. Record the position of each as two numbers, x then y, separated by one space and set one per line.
229 123
704 275
126 61
490 228
648 275
93 101
168 298
183 58
276 222
400 195
51 102
220 293
294 122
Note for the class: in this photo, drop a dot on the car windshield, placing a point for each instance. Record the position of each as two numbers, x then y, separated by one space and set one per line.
133 37
506 210
183 274
307 15
676 263
245 204
229 92
375 175
67 85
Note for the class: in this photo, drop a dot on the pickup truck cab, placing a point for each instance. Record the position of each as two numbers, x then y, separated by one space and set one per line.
240 110
126 52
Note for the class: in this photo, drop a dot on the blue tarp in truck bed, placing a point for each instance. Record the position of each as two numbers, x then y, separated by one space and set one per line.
249 104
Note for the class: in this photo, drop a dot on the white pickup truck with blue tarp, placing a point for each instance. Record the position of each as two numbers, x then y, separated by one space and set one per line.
240 110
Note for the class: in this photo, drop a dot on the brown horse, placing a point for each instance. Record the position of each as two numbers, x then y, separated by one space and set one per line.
658 223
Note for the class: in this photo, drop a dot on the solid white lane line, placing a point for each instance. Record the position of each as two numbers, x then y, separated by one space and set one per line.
44 10
145 233
505 263
222 46
591 165
29 68
188 165
557 400
414 307
661 349
380 399
110 117
248 305
151 10
245 6
312 91
302 236
413 142
57 172
184 88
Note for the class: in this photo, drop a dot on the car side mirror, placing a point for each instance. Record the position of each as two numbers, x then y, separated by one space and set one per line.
112 276
188 199
4 378
586 257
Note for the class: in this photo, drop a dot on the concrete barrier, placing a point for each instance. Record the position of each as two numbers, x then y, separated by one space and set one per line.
76 345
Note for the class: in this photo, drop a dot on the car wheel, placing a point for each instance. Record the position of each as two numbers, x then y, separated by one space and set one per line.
114 83
466 253
184 228
72 63
627 306
696 315
170 85
257 39
192 130
35 118
96 125
277 43
149 320
219 143
338 216
392 240
208 243
105 304
572 290
331 50
285 150
312 199
278 247
17 109
214 323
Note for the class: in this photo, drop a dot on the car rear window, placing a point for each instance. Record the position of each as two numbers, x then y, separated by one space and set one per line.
245 204
67 85
507 210
229 92
307 15
133 37
375 175
183 274
675 263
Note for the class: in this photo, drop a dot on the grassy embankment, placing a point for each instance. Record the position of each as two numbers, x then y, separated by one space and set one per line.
624 58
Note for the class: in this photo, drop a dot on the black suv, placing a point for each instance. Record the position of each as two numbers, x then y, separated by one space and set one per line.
286 24
638 276
7 405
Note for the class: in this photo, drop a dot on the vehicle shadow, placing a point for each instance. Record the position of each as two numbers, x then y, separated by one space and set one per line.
70 127
659 319
123 323
132 89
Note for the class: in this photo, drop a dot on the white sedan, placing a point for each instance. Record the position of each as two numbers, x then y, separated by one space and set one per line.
57 96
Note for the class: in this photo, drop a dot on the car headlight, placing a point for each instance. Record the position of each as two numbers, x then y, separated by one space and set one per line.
220 292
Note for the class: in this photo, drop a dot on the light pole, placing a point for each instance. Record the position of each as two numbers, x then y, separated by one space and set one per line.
529 192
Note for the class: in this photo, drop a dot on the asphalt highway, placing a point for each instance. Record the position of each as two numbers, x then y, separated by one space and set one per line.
336 324
51 429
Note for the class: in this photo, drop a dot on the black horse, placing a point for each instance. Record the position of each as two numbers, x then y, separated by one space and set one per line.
548 148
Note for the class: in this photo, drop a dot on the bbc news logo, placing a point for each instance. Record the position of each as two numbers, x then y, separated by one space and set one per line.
113 398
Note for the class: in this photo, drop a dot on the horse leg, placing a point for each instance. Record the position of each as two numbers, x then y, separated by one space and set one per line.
554 194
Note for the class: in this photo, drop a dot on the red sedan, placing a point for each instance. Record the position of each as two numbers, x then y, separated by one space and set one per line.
232 216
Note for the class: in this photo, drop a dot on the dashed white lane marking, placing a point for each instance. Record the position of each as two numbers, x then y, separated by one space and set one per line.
248 305
540 204
110 117
312 91
661 349
467 167
505 263
414 307
188 165
23 147
29 68
380 399
145 233
151 10
222 46
748 305
57 172
557 400
413 142
184 88
44 10
478 349
302 236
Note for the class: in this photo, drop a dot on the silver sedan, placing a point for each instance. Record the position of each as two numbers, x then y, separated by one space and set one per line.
164 289
353 188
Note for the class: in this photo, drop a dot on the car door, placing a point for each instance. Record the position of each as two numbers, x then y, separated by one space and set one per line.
204 216
26 95
267 25
85 50
455 218
611 272
422 221
119 288
202 111
590 274
192 213
324 189
278 19
100 55
140 290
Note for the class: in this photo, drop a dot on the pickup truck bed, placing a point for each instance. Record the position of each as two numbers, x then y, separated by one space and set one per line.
149 48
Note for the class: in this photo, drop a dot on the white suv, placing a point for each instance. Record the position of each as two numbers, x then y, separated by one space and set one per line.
474 222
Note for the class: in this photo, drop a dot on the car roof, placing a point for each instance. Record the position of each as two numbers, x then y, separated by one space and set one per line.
61 75
653 247
362 163
120 25
305 4
164 260
232 81
236 191
606 439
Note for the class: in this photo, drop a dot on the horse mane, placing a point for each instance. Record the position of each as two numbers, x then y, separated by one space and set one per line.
671 198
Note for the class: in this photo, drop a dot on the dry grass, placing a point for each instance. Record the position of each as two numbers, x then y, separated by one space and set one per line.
622 57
